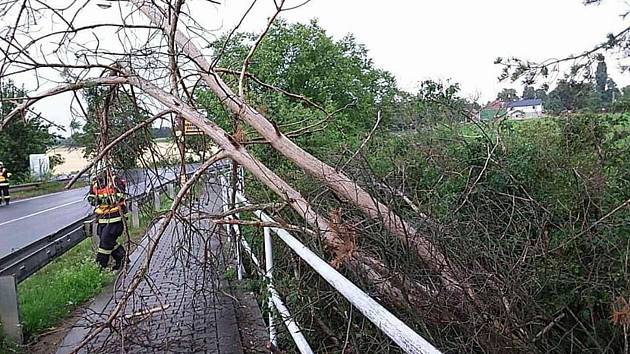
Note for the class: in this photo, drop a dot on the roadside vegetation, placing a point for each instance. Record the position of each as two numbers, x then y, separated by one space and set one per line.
531 211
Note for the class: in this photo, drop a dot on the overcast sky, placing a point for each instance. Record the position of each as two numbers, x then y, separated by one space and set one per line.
458 39
445 39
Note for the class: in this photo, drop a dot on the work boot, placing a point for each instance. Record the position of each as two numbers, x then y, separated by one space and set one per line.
102 260
119 256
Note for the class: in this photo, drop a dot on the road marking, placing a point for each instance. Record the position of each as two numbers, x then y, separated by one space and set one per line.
40 212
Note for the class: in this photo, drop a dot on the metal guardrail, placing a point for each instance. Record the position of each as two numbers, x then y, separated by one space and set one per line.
24 262
33 185
394 328
24 186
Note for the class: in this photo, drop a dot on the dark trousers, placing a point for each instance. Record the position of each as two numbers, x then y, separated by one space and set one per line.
5 194
108 244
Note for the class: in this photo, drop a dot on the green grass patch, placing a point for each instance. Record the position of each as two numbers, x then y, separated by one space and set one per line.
61 286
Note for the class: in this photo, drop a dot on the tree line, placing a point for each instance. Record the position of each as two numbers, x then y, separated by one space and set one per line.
591 92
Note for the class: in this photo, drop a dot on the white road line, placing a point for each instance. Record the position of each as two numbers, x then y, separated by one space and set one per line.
40 212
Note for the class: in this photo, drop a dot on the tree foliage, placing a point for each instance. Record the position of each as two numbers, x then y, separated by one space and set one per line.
122 114
507 95
21 137
337 75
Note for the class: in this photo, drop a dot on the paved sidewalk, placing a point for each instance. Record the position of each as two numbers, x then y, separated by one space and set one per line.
183 305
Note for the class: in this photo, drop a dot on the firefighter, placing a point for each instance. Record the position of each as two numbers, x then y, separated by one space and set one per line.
4 184
108 198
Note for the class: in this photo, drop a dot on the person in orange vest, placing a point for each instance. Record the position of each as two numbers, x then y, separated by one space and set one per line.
108 198
4 184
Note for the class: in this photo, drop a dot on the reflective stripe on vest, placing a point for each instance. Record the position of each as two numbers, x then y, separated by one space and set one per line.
112 220
104 251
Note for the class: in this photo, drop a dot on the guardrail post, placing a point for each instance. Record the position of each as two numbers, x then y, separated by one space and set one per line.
269 275
239 259
156 200
171 190
232 230
9 309
135 214
94 234
90 231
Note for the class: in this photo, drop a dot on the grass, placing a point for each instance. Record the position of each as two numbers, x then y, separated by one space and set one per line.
56 290
46 188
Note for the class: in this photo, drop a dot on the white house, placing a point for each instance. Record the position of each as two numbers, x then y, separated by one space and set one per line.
523 109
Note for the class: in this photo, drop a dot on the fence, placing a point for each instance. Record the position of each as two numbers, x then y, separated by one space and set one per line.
389 324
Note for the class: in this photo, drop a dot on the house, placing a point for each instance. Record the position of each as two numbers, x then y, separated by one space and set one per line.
492 111
523 109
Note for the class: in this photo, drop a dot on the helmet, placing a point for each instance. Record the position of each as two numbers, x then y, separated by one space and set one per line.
1 164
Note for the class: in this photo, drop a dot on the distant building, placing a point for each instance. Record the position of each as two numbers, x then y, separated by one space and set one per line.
523 109
492 111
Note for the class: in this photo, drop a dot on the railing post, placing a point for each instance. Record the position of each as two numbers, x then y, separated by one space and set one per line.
171 190
9 309
135 214
269 275
239 260
231 230
157 203
94 234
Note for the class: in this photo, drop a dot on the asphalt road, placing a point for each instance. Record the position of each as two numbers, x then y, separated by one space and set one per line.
28 220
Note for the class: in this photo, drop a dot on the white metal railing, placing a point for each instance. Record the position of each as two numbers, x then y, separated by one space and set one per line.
394 328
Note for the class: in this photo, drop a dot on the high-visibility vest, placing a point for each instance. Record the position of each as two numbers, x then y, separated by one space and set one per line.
4 177
111 206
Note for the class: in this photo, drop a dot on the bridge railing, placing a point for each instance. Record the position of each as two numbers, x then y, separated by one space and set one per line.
405 337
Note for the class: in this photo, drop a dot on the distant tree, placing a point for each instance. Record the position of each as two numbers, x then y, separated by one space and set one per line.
601 76
571 95
542 93
123 115
162 132
621 102
528 92
612 92
21 137
507 95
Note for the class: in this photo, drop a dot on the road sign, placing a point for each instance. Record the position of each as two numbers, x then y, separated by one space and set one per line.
190 129
40 165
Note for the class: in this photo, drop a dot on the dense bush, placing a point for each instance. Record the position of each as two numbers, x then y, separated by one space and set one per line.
534 204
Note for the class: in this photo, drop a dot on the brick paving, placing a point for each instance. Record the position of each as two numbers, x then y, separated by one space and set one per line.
183 304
